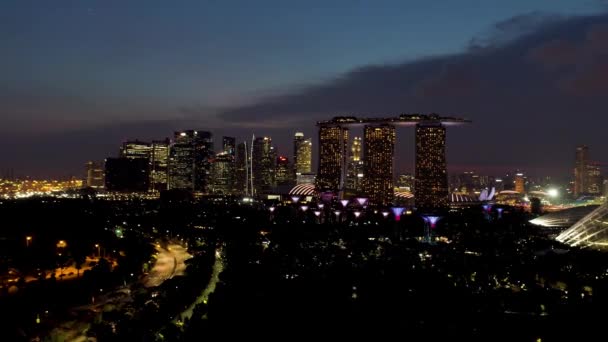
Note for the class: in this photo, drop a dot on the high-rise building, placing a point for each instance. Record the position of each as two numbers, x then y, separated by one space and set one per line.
302 154
333 156
580 170
520 183
355 168
222 174
95 175
431 185
189 160
229 145
262 163
242 169
136 149
159 160
594 179
127 174
378 152
283 175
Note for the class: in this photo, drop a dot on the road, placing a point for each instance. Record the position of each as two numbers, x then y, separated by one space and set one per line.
218 267
170 262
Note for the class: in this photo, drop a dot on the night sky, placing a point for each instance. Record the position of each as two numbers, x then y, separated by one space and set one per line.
79 77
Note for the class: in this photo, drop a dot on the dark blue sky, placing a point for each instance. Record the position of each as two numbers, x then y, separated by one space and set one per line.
77 77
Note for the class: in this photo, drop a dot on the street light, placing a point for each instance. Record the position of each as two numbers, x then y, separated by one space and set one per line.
27 241
98 250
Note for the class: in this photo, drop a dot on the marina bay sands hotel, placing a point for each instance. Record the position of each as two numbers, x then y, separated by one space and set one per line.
431 178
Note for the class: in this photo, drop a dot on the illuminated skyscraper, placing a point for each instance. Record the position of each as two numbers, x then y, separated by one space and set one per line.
242 169
378 152
406 182
283 175
158 165
431 180
262 164
594 179
229 145
520 183
580 170
222 174
95 175
333 156
355 168
136 150
302 154
189 160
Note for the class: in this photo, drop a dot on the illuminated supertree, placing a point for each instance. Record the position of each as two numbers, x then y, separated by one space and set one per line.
430 222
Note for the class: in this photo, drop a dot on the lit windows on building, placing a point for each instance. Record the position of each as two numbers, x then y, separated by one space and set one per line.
333 141
378 155
431 179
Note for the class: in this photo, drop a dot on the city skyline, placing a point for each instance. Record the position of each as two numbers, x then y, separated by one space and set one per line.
557 65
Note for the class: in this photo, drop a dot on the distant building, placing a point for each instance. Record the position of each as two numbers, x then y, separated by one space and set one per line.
262 163
520 183
306 178
127 174
159 162
355 167
243 169
580 170
136 149
222 174
378 155
95 175
229 145
190 161
333 156
283 175
594 179
431 189
302 154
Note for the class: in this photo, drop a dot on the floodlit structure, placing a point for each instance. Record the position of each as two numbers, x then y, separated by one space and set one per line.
563 218
590 231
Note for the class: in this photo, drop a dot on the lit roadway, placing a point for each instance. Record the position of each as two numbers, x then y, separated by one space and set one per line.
170 262
218 267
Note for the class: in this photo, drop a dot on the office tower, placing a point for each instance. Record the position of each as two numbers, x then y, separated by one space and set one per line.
520 183
333 156
283 175
580 170
229 145
159 160
189 160
95 175
405 181
431 186
262 164
594 179
302 154
242 169
127 174
378 152
222 174
135 149
355 168
306 178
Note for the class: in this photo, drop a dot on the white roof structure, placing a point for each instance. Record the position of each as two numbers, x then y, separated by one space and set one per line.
590 231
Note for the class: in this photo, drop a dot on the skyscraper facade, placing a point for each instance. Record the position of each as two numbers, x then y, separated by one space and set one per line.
159 162
302 154
580 170
136 150
333 156
431 179
242 169
378 156
190 160
283 175
262 164
94 175
594 179
520 183
222 174
355 168
229 145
